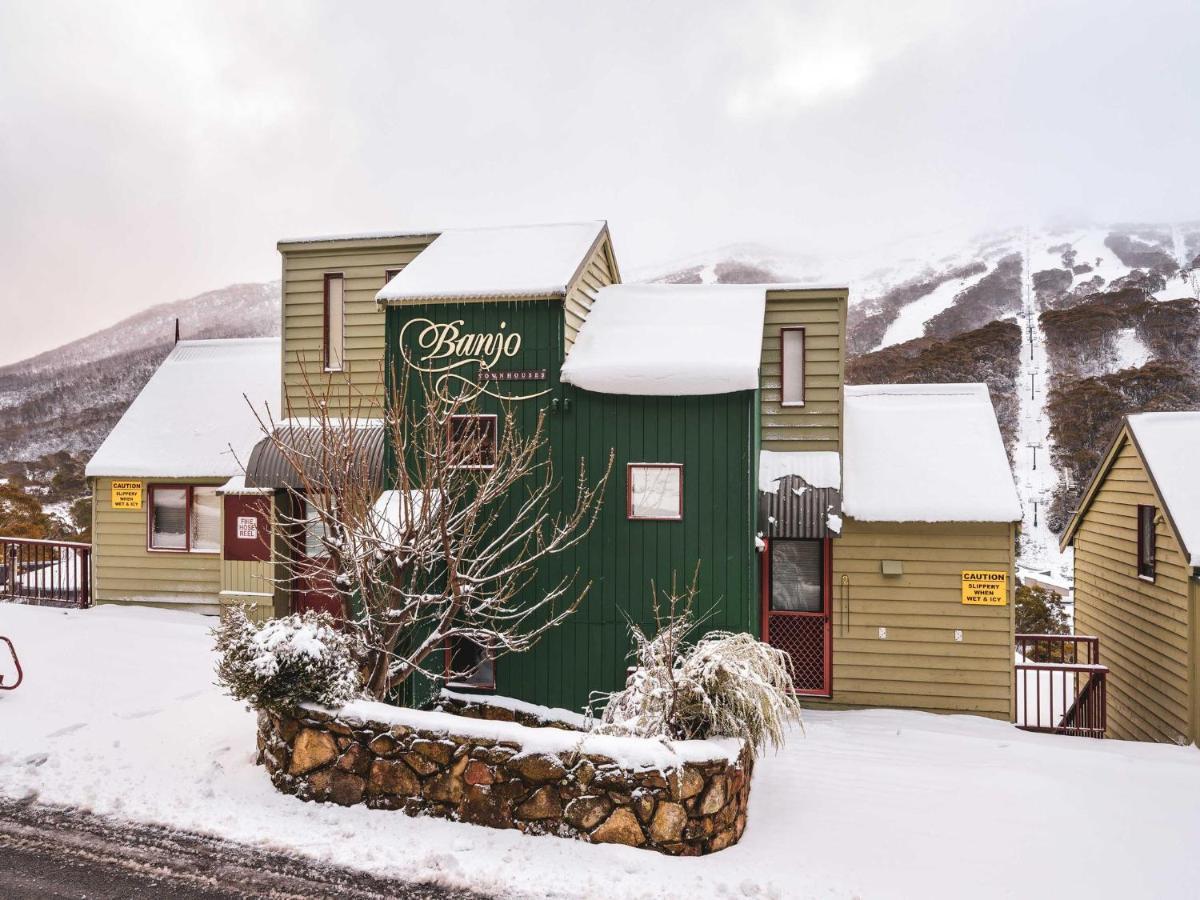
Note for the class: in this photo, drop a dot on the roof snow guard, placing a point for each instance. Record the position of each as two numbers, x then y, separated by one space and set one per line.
925 453
526 262
194 414
670 340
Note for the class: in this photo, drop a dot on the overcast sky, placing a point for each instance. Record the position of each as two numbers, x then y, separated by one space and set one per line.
151 151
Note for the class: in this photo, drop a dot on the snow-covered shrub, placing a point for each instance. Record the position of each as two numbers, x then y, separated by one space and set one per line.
724 685
296 659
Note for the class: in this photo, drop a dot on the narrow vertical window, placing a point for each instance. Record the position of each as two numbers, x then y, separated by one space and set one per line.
206 520
1146 542
314 533
791 366
168 518
655 491
797 576
335 323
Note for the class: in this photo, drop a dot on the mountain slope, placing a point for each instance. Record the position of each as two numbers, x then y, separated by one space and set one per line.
69 398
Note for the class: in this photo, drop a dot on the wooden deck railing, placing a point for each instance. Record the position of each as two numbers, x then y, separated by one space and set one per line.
1060 686
48 573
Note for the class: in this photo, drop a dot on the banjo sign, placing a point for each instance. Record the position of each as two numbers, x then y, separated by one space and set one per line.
465 364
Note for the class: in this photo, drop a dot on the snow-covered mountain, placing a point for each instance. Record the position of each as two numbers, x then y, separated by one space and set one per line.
1071 327
69 398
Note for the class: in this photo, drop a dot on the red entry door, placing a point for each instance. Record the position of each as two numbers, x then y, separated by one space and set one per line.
796 609
313 585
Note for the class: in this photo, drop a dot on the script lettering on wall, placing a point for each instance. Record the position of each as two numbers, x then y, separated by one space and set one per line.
465 364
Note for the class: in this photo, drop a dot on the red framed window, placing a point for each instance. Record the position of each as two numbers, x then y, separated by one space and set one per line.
334 344
469 665
791 366
1147 544
474 440
654 491
183 518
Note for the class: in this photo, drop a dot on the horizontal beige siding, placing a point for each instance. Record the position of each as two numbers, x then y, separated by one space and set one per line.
920 664
359 388
817 425
1143 626
599 270
124 571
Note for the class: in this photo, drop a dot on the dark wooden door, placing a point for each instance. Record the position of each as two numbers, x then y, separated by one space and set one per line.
313 577
796 609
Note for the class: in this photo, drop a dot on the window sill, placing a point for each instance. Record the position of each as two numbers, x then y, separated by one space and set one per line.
791 403
1149 579
654 518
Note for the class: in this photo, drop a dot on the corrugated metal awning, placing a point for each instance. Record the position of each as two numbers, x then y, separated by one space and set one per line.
796 510
269 467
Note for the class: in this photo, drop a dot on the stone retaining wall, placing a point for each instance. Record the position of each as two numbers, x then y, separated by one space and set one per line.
686 810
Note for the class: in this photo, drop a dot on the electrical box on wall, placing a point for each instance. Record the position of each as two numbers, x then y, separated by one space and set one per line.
892 567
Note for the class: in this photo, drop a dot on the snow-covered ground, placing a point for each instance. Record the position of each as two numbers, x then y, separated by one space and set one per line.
119 715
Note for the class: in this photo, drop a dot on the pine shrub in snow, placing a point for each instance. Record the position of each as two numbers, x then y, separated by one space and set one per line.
723 685
296 659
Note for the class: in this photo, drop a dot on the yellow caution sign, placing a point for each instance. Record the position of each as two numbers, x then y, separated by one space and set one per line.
126 495
984 588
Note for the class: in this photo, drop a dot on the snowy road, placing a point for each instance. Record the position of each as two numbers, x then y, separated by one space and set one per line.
61 853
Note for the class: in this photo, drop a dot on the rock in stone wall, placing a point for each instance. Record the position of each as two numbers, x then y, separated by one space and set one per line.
694 809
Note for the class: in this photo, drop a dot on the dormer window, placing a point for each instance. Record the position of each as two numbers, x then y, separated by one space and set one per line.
791 366
334 350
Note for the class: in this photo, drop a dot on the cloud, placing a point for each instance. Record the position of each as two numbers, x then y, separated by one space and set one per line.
805 79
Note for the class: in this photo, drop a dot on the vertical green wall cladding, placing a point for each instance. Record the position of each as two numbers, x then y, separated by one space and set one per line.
713 437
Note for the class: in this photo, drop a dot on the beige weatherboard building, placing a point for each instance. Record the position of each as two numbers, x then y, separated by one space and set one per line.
1136 536
875 530
166 498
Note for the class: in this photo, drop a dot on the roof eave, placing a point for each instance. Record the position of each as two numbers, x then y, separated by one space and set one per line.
469 297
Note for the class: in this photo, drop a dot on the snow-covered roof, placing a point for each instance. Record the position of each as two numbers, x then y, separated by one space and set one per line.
818 468
925 453
1168 442
192 410
361 236
670 340
518 261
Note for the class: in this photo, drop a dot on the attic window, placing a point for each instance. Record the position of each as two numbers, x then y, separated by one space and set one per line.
791 366
334 349
473 441
1146 541
655 491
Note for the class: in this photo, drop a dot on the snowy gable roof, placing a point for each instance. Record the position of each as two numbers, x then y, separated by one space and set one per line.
1169 442
191 410
525 261
669 340
925 453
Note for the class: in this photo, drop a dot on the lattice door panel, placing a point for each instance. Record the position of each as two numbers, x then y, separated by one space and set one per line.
802 637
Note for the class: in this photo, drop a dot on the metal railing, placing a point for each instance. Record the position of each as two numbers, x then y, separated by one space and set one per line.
47 573
1060 686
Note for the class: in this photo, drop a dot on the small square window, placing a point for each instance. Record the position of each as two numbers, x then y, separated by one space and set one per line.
655 491
469 665
791 366
1147 545
473 441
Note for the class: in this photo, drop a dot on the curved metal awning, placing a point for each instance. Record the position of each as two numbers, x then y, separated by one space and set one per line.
270 467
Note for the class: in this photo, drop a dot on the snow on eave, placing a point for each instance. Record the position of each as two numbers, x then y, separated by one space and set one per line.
818 468
669 340
1172 473
192 419
925 453
358 236
518 262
